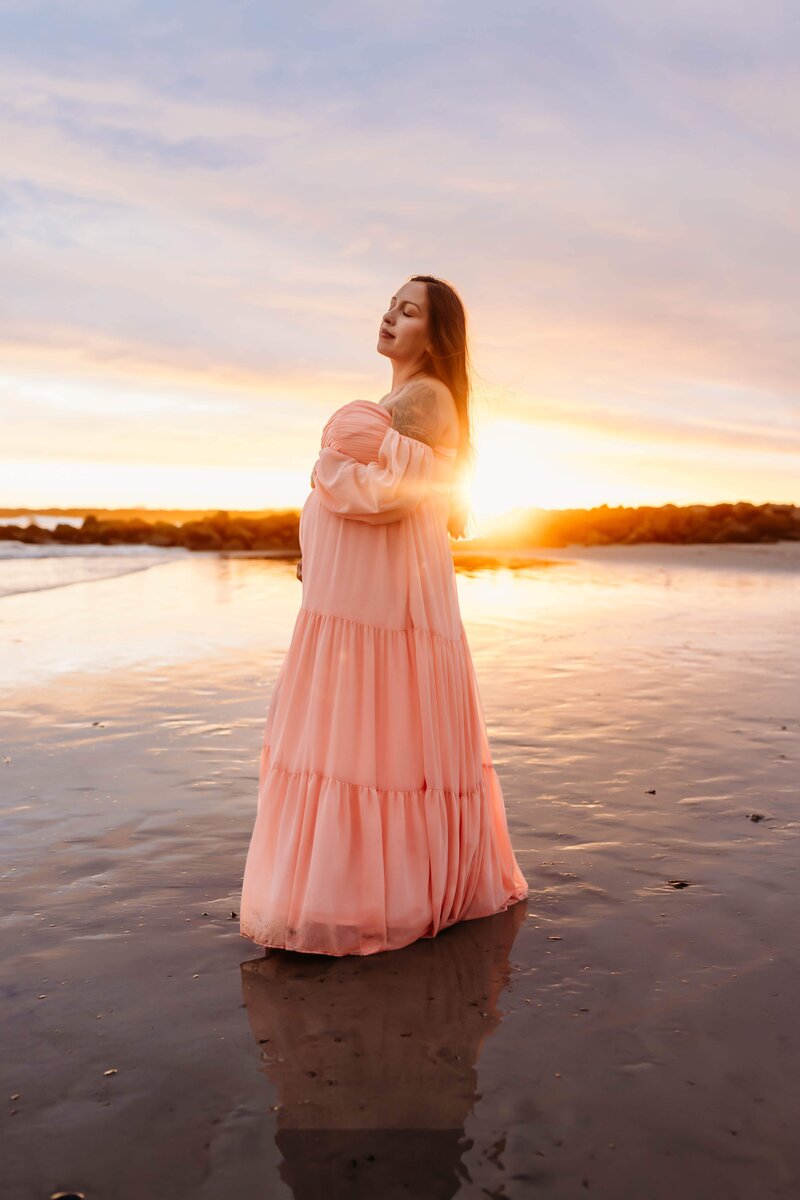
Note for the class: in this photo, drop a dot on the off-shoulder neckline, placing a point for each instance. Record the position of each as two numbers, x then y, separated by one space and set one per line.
439 448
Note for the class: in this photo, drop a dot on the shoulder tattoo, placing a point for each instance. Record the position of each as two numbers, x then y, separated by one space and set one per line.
416 413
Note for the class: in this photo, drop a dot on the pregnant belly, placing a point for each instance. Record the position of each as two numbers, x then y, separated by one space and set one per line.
352 569
392 577
307 521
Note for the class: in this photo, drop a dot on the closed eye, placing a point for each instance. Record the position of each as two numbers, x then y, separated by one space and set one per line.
405 312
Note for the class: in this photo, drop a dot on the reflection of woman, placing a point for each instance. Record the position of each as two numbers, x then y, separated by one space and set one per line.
380 816
374 1064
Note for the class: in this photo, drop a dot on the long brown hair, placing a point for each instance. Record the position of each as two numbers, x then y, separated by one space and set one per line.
449 360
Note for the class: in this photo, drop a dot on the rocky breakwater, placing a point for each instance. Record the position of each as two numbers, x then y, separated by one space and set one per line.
278 532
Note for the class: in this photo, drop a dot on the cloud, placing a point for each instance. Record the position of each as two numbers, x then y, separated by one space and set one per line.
230 196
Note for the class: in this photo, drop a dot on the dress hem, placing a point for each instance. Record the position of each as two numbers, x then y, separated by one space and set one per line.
352 869
518 895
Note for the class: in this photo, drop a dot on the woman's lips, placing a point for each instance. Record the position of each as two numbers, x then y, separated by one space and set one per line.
385 333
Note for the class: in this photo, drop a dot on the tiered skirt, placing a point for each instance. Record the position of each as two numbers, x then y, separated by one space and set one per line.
380 814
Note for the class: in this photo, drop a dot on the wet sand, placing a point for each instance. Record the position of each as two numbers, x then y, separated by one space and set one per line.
628 1031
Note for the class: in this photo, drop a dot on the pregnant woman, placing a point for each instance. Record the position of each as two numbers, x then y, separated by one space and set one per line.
380 817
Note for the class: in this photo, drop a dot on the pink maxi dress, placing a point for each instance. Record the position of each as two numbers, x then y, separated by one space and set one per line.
380 817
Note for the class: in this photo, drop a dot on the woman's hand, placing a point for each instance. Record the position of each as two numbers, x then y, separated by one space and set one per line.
299 571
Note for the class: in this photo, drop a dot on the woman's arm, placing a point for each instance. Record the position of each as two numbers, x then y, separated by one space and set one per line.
389 489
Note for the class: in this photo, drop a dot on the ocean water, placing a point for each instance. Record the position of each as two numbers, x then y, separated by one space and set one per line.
43 519
32 568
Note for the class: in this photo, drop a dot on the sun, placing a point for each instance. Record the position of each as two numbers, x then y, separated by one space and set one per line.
522 465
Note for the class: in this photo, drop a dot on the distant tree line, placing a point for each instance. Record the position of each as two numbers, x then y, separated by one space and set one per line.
278 531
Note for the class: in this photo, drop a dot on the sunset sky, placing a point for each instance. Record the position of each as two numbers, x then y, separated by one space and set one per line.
205 209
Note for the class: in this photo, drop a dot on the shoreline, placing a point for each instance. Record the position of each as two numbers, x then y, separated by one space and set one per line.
783 554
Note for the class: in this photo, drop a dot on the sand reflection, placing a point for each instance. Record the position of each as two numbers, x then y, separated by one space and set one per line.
374 1058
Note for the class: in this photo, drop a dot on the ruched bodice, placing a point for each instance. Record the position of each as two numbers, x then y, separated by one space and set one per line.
359 427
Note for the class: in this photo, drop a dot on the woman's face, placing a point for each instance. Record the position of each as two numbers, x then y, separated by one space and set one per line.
404 329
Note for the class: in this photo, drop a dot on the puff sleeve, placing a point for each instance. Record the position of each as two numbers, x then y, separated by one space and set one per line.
376 492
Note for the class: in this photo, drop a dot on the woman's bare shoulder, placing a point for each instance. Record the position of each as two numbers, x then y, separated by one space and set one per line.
425 408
